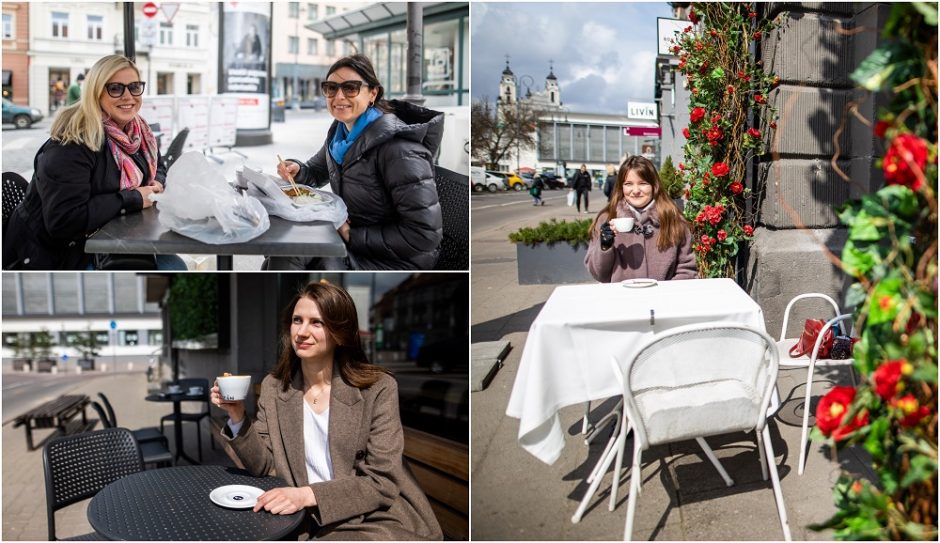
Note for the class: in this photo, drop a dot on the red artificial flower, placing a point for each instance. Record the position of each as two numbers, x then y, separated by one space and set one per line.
831 411
759 98
685 132
857 487
693 17
715 134
881 127
714 33
741 74
705 239
713 214
697 114
687 29
905 160
885 302
748 230
736 187
682 64
756 35
752 14
886 379
913 411
716 117
730 89
773 125
753 132
676 49
722 235
682 164
687 194
719 169
699 46
700 217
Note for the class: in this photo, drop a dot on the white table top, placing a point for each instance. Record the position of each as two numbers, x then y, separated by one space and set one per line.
566 358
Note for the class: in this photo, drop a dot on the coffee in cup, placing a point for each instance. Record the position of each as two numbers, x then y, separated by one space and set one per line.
234 387
623 224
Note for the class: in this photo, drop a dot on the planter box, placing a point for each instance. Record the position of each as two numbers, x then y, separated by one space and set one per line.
45 364
86 363
22 364
555 264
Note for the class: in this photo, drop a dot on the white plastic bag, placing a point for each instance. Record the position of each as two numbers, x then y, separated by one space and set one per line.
321 206
571 198
200 204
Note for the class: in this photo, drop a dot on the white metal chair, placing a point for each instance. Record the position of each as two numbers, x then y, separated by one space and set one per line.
811 360
695 381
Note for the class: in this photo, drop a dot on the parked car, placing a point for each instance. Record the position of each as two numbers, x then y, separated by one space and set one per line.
510 180
483 180
20 116
552 181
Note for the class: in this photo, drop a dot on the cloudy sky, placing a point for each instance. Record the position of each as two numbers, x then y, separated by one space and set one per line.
603 53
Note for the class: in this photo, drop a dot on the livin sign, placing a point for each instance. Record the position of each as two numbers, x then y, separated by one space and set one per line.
641 110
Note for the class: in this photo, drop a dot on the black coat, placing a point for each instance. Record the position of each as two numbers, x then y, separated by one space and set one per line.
387 183
582 181
74 192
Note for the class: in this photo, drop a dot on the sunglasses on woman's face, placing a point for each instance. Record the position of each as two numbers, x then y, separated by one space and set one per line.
116 90
350 88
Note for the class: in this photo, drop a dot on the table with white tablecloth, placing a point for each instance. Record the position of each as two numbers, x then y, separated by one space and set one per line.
567 354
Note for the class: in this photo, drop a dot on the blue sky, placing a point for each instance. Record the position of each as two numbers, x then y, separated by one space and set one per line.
603 53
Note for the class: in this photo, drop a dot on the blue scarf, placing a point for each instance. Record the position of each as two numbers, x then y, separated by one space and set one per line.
343 139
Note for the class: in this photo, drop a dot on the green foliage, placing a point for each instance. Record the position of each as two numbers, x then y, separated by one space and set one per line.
554 231
193 305
672 180
86 344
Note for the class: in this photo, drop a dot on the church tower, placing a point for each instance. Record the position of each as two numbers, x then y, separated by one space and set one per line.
552 91
507 87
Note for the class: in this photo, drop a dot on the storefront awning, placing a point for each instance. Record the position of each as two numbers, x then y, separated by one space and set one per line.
350 22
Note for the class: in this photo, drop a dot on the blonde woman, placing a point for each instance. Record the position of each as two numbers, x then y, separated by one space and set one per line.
101 161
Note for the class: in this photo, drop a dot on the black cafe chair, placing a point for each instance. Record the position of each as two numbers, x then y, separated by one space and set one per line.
185 384
175 149
77 466
453 193
14 190
142 435
152 452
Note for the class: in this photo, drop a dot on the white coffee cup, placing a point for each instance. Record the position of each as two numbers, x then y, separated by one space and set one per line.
174 389
195 391
234 387
623 224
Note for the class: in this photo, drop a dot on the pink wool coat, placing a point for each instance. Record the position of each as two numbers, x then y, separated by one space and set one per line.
633 256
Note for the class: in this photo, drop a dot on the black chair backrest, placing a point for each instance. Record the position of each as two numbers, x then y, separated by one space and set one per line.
453 192
105 421
78 466
175 149
196 382
107 406
14 190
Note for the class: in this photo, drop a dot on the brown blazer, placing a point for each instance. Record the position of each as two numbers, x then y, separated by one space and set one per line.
372 494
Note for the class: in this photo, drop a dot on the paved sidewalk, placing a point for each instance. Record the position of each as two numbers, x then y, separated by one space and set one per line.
517 497
24 500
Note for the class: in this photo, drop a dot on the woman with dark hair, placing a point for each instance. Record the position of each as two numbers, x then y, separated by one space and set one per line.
328 423
378 157
660 244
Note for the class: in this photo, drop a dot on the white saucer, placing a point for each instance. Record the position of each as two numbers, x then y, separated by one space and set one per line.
236 496
639 283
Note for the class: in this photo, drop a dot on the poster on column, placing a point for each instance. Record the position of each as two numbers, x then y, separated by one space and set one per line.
159 110
245 57
223 112
193 112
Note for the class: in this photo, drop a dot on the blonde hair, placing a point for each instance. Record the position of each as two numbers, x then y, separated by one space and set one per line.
83 121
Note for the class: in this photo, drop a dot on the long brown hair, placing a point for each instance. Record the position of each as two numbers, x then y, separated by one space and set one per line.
672 226
339 317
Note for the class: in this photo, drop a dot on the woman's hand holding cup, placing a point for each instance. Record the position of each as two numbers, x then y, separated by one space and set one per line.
623 224
234 408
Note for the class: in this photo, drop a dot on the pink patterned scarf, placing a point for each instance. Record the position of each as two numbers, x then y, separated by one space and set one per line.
124 143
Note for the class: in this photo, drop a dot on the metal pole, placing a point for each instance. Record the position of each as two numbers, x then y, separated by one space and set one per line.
414 29
129 51
293 91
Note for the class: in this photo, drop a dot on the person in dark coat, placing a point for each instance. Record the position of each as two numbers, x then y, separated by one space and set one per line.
377 157
328 424
100 162
610 182
582 185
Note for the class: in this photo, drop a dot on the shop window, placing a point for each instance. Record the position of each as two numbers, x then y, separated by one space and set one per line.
440 46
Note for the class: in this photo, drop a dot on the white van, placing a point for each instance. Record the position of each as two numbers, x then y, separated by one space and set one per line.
484 181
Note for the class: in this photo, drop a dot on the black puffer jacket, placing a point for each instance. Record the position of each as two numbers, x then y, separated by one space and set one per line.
387 182
74 191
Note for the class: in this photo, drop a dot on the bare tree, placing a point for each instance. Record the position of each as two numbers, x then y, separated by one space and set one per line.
497 132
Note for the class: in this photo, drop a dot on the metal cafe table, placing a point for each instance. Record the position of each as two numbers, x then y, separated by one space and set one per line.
177 422
142 233
173 504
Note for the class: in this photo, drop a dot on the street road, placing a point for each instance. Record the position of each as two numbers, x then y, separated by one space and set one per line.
23 391
20 146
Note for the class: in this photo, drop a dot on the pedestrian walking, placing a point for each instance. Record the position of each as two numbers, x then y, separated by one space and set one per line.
75 89
536 191
610 181
582 185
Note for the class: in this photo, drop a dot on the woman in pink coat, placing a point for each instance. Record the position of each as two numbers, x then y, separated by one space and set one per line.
660 244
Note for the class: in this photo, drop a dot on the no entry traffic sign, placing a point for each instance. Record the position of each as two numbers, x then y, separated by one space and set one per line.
150 9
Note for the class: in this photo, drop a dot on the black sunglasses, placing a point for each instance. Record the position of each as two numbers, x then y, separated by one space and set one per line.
116 90
350 88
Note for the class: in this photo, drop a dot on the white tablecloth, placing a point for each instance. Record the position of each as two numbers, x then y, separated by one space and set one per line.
566 359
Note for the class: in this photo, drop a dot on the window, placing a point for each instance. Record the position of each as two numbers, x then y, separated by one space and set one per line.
313 12
192 36
60 24
311 46
330 10
293 10
95 27
166 34
102 338
8 26
293 45
127 337
331 47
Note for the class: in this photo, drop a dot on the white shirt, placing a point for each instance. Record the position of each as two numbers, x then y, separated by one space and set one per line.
316 444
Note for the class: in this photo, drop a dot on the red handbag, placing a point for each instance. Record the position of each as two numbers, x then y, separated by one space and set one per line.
807 340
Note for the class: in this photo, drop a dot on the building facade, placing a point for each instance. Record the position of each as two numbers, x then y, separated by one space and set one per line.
16 52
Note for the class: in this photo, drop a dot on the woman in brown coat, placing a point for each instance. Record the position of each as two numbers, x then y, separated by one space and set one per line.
660 244
328 424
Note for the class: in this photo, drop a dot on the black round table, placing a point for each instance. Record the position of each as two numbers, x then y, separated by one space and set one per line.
173 504
177 422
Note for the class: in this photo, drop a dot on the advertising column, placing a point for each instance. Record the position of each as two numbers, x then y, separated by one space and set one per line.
245 54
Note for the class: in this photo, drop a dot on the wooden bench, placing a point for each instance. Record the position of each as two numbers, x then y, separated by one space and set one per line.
58 414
